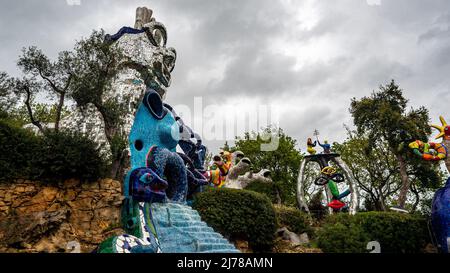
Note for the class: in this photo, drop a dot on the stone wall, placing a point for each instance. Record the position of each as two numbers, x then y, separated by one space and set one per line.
53 217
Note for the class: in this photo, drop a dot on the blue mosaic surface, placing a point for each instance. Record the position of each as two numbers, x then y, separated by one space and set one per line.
440 216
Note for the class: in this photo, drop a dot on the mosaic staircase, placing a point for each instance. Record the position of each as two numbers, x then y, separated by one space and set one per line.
181 230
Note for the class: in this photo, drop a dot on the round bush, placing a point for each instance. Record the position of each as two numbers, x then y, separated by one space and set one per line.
340 238
292 218
396 233
239 214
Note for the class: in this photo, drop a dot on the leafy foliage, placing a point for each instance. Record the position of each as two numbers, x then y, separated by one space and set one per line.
44 76
67 155
239 214
383 118
81 75
52 156
283 162
17 147
292 218
340 238
396 233
375 170
96 62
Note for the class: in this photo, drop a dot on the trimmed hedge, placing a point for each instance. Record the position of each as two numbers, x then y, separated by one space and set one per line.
239 214
396 233
292 218
53 156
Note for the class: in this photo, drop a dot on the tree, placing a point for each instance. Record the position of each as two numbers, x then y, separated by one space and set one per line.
43 75
82 75
375 170
28 89
283 162
96 62
383 118
43 112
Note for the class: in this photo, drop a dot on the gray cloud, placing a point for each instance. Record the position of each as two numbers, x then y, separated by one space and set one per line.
310 56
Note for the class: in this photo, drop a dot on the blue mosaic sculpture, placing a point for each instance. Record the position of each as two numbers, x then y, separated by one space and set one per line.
440 211
157 185
154 213
440 217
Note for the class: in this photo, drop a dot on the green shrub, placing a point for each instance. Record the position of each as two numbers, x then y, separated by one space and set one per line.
55 156
239 214
292 218
17 148
268 189
396 233
67 155
340 238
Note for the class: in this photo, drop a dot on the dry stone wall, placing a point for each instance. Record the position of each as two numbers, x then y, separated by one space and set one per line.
58 217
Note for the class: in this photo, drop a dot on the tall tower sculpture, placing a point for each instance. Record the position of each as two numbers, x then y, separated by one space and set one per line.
329 177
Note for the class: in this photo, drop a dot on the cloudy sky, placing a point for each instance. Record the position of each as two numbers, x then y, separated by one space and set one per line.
308 58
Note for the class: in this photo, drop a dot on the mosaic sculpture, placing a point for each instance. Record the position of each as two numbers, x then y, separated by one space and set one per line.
233 170
330 178
219 168
325 146
440 211
154 214
310 144
440 217
146 62
242 181
444 134
429 151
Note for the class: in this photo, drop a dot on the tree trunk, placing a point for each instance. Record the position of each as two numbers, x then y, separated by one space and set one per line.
30 110
115 168
278 197
120 166
59 110
405 182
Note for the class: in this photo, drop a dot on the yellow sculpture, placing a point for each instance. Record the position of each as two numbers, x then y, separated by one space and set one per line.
219 169
444 130
444 133
311 146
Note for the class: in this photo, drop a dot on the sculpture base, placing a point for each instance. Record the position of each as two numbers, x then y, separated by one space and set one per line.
181 230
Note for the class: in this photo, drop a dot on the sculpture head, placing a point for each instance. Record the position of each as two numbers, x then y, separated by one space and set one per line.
145 51
263 176
240 165
444 129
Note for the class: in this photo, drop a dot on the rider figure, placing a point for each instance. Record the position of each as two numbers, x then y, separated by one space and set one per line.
326 146
311 146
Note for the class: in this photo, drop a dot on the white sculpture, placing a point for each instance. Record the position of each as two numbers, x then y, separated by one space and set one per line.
146 63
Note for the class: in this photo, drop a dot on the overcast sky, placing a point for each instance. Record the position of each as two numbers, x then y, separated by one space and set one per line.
310 57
